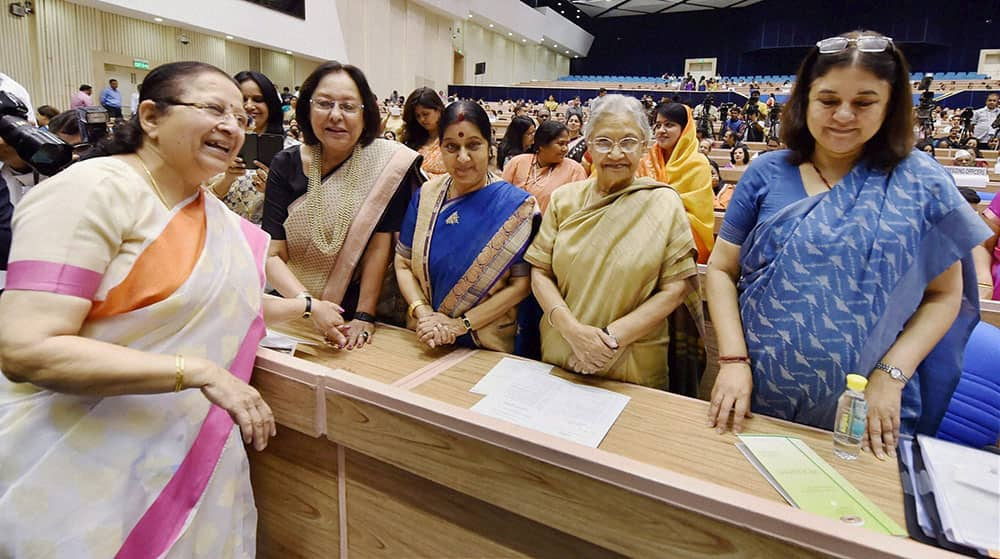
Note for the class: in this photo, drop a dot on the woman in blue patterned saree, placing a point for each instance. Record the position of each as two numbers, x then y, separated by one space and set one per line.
847 253
459 260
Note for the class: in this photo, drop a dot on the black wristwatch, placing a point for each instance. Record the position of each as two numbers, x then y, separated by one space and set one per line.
364 317
309 306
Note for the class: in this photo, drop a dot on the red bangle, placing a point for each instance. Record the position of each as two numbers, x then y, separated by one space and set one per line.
734 359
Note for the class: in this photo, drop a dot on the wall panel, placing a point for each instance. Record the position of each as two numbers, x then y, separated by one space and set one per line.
278 66
16 37
237 58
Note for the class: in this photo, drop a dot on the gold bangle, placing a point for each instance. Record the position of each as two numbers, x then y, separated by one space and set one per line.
178 372
414 306
981 284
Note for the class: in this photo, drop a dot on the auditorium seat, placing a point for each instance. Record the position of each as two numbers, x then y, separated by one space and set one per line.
973 417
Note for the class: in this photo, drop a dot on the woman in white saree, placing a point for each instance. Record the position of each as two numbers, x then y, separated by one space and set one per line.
127 288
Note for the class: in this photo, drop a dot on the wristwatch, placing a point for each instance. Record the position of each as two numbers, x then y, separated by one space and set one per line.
893 372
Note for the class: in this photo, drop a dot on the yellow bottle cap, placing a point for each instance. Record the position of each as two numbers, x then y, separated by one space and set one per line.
857 382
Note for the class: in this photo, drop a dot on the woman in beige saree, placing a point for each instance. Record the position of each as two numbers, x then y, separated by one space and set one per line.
614 266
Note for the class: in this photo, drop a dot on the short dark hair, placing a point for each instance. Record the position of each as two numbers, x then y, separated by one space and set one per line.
66 122
547 132
415 136
48 111
970 195
372 119
466 111
894 140
673 112
112 80
275 116
746 153
163 84
924 144
86 87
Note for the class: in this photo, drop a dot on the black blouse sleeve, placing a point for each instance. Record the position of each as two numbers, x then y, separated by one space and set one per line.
392 219
279 193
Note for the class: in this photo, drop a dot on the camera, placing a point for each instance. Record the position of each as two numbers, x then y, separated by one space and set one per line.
93 123
42 150
967 114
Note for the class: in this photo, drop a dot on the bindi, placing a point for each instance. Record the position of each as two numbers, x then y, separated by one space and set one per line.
461 134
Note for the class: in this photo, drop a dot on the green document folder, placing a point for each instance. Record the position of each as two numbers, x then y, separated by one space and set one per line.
810 483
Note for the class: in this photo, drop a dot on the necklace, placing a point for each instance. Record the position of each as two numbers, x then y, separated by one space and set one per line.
536 177
820 173
156 187
330 231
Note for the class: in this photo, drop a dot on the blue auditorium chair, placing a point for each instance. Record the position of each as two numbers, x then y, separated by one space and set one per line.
973 417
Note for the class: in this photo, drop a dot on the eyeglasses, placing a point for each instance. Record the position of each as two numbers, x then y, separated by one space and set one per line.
627 144
864 43
346 107
216 111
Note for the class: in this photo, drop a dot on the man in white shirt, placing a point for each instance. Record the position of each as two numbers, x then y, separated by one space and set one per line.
983 118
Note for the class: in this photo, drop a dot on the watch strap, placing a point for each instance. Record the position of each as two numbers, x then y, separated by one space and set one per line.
309 306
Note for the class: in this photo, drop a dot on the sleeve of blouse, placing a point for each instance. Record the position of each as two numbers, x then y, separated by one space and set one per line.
278 194
741 213
539 254
69 228
992 213
405 243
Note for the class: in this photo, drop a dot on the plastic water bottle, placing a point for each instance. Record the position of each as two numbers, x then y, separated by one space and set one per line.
852 416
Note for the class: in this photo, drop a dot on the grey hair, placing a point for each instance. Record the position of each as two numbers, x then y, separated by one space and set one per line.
615 104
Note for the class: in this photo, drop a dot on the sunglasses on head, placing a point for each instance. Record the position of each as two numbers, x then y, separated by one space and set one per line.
864 43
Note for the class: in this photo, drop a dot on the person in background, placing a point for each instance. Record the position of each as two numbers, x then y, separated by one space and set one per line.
973 147
722 190
82 97
673 159
964 159
133 102
551 104
983 118
705 147
518 139
735 124
927 147
613 266
953 140
988 265
421 114
44 114
577 144
546 168
884 297
241 188
133 308
111 99
333 205
739 157
455 221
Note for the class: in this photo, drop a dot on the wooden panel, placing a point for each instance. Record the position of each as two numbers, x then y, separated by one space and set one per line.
295 487
393 354
624 522
292 401
677 424
392 513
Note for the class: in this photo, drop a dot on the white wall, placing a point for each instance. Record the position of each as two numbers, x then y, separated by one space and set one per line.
317 36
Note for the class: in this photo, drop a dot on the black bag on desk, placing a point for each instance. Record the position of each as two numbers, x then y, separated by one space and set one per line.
908 453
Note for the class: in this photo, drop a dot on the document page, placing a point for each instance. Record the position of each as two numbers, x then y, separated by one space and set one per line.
546 403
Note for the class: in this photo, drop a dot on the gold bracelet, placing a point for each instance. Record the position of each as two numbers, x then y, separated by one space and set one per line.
548 315
414 306
981 284
178 372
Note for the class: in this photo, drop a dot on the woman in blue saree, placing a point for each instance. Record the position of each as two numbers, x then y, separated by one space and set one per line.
459 260
847 253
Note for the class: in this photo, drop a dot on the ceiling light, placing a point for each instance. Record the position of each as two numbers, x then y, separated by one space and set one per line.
491 26
230 37
567 52
157 19
509 34
288 52
524 40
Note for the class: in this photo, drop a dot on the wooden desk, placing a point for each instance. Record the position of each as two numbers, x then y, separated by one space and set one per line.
362 468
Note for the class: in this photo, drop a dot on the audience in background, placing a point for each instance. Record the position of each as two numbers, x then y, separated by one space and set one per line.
546 168
739 157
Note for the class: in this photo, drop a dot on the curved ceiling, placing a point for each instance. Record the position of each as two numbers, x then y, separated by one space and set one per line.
620 8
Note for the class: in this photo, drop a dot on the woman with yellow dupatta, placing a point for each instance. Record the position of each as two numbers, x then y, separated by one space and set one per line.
613 266
459 260
673 159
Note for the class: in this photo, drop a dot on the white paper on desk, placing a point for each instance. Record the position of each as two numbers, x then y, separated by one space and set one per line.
282 342
969 508
920 484
582 414
509 370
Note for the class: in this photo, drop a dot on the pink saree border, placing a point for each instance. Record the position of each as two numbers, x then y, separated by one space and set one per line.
52 277
162 523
